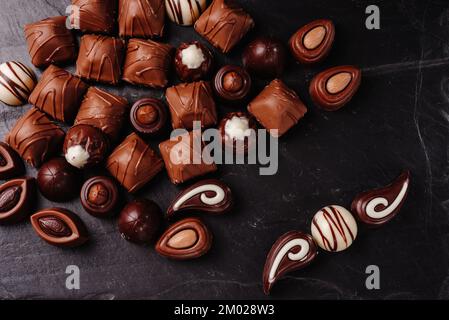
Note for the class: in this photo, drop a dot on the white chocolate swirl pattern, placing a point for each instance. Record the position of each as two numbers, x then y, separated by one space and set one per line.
216 199
389 208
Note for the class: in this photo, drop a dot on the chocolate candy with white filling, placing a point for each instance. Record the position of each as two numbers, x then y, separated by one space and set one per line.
313 42
59 227
94 16
100 196
186 239
377 207
293 250
17 81
232 83
335 87
148 116
140 220
193 61
17 198
265 57
185 12
210 196
141 18
10 163
238 131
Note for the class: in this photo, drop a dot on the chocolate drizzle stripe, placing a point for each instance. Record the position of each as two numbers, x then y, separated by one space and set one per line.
16 86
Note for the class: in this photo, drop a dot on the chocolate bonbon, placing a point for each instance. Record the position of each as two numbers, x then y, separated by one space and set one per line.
35 137
193 61
133 163
49 41
211 196
141 18
293 250
186 239
265 57
185 12
100 196
236 129
58 94
190 102
140 221
148 116
17 81
59 227
313 42
334 228
17 198
232 83
147 63
277 107
335 87
377 207
10 163
224 24
100 58
96 16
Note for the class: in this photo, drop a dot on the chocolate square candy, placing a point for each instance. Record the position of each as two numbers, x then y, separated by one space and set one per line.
147 63
224 24
100 58
190 102
277 107
49 41
59 94
181 159
141 18
103 110
96 16
133 163
35 137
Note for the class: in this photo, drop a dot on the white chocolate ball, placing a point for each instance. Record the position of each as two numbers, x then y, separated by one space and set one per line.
17 81
77 156
237 128
334 228
184 12
192 57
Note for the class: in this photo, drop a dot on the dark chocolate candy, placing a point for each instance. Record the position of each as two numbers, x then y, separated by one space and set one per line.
141 18
96 16
193 61
377 207
17 198
292 251
59 227
186 239
211 196
100 196
335 87
10 163
232 83
148 116
238 131
265 57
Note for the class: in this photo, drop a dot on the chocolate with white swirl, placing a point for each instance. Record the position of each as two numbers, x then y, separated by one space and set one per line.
377 207
211 196
292 251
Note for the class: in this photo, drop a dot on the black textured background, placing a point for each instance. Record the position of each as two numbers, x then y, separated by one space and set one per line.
399 119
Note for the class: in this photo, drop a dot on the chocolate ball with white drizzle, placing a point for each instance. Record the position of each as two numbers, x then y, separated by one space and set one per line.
193 61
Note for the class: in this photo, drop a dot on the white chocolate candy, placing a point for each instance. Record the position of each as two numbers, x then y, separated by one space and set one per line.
334 228
77 156
184 12
17 81
237 128
192 57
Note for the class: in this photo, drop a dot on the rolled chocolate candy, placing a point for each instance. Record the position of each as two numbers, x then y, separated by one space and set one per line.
335 87
224 24
10 163
141 18
334 228
148 116
59 94
59 227
277 107
16 83
147 63
96 16
313 42
17 198
293 250
186 239
133 163
100 196
100 59
232 83
377 207
211 196
265 57
193 61
236 129
185 12
190 102
103 110
49 41
35 137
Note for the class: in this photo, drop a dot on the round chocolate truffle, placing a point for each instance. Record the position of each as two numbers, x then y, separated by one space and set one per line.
100 196
85 146
148 116
232 83
193 61
265 57
140 220
17 81
58 181
185 12
236 128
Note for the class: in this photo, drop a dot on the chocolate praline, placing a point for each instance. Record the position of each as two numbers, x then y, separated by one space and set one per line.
235 128
17 198
265 57
232 83
193 61
10 163
100 196
148 116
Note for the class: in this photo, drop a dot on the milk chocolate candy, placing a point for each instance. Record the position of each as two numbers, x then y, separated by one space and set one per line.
16 83
100 196
94 16
313 42
148 116
294 250
224 24
35 137
277 107
147 63
335 87
141 18
232 83
49 41
17 198
58 94
100 59
133 163
377 207
10 163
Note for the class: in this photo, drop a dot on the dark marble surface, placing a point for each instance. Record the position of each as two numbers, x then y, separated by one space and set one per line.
399 119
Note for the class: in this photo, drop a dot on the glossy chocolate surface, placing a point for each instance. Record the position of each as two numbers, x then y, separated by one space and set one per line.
100 196
232 83
148 116
236 135
17 81
10 163
185 12
265 57
97 16
189 73
17 199
141 18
